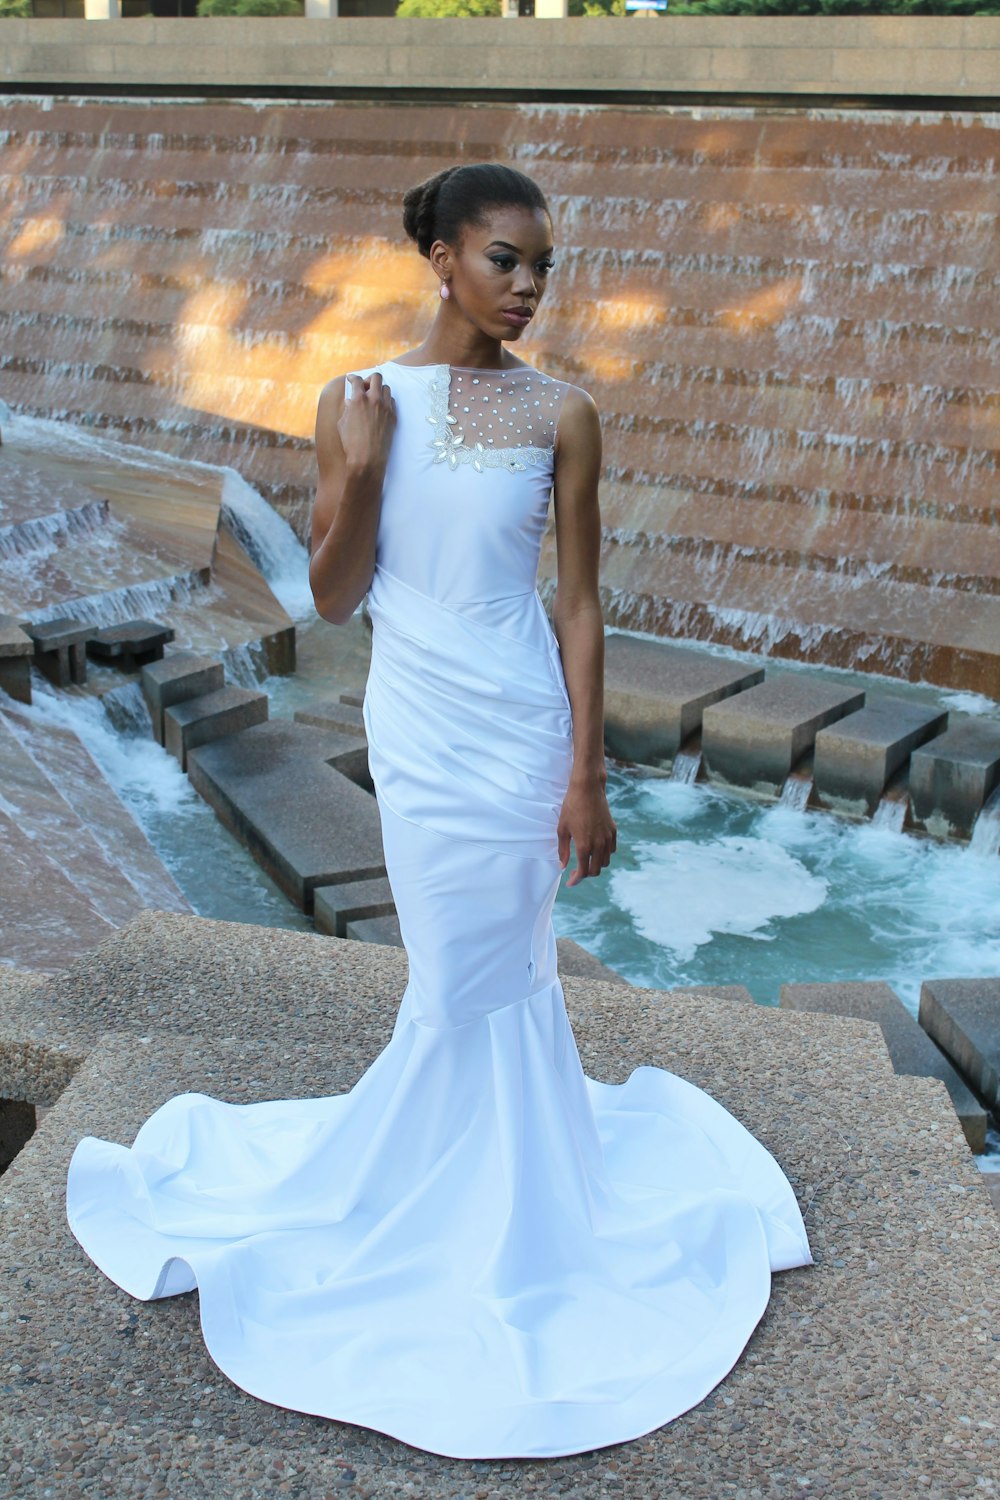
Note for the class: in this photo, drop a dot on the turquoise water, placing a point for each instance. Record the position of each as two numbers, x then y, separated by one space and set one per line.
712 888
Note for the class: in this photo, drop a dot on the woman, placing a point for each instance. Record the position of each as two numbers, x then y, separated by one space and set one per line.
477 1249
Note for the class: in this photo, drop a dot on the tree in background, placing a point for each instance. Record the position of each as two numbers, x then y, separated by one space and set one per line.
250 7
834 7
448 8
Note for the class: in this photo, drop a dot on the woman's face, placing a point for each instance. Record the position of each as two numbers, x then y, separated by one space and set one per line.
497 274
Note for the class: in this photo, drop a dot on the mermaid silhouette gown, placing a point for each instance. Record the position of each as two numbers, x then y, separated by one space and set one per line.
478 1249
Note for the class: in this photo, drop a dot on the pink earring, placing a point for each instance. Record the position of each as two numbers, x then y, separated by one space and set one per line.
445 292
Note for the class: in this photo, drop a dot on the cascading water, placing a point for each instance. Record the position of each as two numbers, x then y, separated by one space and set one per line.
785 318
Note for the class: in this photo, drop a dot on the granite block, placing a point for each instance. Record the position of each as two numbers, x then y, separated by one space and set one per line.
963 1017
278 788
211 716
755 738
952 776
855 757
175 678
655 694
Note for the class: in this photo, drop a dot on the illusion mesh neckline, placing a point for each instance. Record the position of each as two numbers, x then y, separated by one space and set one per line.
469 369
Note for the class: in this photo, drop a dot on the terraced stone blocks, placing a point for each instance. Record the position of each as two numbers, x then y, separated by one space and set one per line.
755 738
655 694
952 776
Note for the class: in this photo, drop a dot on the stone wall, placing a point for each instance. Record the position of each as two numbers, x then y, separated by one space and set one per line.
841 57
788 318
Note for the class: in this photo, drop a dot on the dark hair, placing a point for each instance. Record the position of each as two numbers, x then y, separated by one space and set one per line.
441 207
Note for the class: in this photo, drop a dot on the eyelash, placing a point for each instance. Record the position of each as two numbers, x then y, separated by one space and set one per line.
504 262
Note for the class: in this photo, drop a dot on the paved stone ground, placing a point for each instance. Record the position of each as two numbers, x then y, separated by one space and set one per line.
872 1373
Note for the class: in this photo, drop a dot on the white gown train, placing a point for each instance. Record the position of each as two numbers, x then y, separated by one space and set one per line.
477 1249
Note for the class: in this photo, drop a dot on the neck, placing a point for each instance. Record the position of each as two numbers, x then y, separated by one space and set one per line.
453 341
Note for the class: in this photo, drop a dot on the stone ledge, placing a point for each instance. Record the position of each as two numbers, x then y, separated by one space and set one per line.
754 738
856 757
963 1017
912 1051
952 776
284 790
211 716
788 55
656 692
860 1365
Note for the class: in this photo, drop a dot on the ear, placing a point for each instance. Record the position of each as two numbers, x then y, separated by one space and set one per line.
440 258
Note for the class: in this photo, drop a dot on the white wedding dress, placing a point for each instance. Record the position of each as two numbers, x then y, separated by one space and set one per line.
478 1249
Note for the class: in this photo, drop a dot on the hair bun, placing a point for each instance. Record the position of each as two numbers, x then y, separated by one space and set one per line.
419 204
439 207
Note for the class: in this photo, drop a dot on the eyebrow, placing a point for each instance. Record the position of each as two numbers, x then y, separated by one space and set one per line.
506 245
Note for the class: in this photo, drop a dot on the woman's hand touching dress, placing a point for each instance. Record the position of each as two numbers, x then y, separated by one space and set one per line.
352 449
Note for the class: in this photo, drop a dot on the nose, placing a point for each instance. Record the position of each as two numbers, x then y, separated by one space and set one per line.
524 284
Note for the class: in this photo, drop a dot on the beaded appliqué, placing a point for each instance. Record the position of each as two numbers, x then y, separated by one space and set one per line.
450 443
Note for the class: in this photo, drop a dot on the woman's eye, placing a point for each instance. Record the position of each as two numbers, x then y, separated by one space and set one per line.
503 261
545 266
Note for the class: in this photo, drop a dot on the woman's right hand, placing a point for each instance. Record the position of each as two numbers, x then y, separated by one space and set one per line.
367 424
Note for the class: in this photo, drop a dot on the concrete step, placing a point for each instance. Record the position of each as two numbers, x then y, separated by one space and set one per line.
853 1354
755 737
577 961
284 790
852 544
336 907
856 757
952 776
330 713
383 930
211 716
655 693
724 384
179 676
963 1018
912 1050
17 650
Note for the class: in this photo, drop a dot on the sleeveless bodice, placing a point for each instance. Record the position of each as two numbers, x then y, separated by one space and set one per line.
466 707
467 486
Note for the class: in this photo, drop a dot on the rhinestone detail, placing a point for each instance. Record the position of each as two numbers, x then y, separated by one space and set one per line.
451 446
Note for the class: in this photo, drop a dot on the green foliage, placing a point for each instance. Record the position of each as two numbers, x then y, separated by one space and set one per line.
448 8
15 8
597 7
249 7
833 7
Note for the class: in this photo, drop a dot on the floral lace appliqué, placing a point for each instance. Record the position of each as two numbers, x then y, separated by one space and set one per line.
450 443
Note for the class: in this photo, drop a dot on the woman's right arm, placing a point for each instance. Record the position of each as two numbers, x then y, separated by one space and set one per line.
352 449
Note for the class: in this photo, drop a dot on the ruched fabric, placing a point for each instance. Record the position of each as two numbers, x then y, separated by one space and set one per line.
477 1249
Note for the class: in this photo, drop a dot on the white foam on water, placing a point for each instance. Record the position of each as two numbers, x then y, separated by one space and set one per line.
683 893
708 887
968 703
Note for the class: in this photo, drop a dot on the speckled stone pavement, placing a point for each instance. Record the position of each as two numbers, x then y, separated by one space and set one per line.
872 1374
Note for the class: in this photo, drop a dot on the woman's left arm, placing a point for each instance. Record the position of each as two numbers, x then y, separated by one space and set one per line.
579 628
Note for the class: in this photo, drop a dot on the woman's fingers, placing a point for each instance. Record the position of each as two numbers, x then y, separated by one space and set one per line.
591 859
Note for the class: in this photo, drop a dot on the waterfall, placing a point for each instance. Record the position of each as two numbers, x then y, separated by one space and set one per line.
796 791
986 829
890 813
686 766
271 542
127 710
